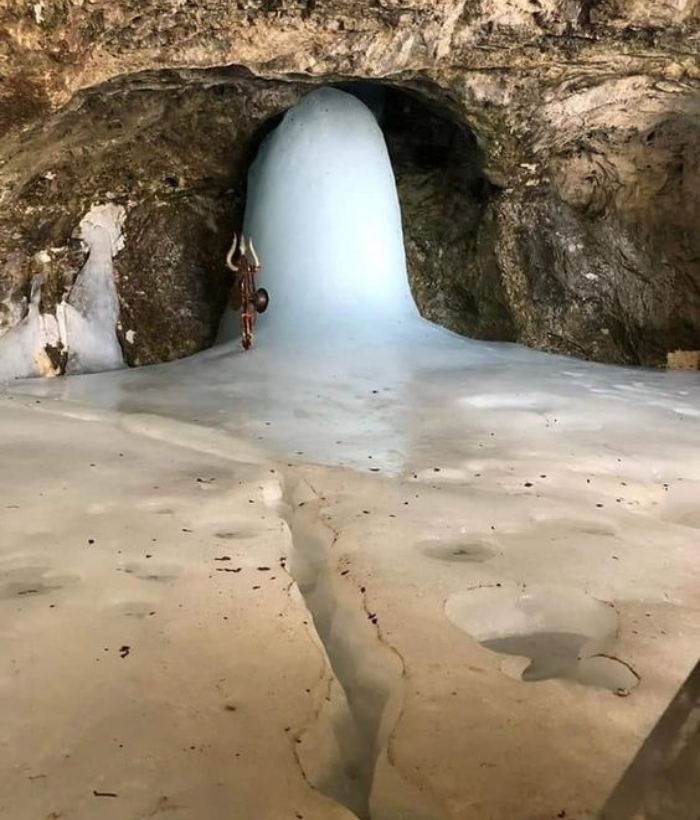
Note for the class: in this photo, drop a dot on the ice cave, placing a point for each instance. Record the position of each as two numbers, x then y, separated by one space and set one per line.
402 559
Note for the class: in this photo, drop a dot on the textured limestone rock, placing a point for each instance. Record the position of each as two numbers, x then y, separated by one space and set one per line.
174 152
567 191
447 223
683 360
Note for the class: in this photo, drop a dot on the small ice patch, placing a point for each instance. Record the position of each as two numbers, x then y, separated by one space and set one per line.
541 402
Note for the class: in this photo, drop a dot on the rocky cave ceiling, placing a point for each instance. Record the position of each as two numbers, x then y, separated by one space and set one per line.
546 155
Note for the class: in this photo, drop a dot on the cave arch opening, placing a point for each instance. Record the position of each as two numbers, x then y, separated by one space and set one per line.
171 149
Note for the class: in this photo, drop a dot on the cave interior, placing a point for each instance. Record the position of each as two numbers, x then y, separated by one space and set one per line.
387 558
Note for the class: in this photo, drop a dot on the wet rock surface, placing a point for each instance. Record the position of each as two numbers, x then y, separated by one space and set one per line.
546 160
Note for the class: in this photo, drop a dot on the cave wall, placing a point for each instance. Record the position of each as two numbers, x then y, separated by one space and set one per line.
173 150
446 204
567 195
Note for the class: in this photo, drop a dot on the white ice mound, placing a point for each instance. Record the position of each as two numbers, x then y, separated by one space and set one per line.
324 214
23 349
84 327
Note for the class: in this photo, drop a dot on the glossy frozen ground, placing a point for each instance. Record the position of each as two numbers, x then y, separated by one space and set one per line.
436 515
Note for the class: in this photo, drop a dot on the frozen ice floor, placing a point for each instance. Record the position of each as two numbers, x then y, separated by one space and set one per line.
337 562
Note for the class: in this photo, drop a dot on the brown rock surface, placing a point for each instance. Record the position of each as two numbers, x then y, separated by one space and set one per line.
573 229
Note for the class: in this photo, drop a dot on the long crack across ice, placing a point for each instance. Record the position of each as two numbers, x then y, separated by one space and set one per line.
370 675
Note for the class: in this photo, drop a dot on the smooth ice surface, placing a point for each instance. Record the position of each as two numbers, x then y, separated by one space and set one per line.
324 214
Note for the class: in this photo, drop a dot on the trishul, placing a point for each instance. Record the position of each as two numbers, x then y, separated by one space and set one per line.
253 300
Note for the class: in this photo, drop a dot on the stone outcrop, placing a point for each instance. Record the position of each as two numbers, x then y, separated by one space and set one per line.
546 154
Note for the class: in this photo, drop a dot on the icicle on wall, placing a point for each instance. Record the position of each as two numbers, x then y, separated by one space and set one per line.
92 311
324 214
23 349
